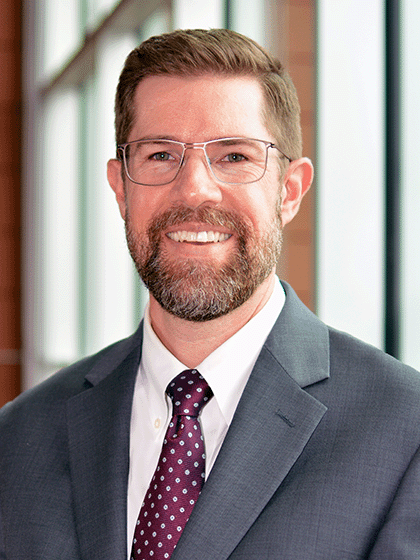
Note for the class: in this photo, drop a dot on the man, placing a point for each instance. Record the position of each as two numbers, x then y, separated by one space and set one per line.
307 438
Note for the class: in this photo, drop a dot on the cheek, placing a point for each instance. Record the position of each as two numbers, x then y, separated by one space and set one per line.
142 206
262 207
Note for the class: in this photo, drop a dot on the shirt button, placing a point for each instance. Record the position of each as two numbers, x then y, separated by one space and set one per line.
157 423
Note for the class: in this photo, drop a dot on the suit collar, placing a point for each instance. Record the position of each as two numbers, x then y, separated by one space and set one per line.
299 341
109 359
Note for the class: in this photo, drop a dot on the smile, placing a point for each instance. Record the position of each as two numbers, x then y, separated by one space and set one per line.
198 236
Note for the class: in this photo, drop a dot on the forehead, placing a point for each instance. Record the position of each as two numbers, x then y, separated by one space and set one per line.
199 108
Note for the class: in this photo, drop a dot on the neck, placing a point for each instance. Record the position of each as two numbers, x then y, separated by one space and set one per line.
191 342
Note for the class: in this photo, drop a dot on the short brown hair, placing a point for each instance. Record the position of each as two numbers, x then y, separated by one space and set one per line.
193 52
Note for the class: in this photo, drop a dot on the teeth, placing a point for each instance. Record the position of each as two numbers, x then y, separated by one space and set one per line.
198 237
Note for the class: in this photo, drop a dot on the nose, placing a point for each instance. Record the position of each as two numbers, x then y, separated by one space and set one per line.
195 184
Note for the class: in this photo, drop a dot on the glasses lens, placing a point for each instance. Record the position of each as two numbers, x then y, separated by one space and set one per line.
154 162
237 160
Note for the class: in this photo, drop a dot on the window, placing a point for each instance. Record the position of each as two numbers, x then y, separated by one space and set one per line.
82 292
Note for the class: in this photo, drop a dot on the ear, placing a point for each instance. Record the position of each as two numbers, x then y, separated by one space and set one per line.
296 183
117 184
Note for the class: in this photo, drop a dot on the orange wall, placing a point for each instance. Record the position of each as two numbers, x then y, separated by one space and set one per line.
297 264
10 107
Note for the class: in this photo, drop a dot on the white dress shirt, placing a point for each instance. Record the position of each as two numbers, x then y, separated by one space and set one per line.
226 370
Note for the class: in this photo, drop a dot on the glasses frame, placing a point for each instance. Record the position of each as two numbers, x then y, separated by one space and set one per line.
196 145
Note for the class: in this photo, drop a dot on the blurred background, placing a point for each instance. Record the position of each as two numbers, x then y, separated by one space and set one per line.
67 285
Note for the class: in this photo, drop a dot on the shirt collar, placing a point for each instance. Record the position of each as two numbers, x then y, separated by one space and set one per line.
227 369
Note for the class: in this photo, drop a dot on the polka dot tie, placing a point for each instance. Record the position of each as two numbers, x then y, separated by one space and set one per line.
179 476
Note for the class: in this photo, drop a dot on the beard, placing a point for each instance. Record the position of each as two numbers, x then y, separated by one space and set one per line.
201 291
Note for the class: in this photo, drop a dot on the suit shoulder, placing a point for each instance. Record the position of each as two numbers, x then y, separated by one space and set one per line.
67 382
371 368
345 345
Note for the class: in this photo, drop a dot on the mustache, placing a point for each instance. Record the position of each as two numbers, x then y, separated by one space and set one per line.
179 215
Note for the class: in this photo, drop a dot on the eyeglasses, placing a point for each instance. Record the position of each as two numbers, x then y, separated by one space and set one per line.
155 162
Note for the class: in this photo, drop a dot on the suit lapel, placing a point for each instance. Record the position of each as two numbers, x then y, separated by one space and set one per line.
99 430
272 424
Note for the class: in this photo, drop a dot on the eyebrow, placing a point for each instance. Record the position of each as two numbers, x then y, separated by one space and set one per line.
227 140
157 138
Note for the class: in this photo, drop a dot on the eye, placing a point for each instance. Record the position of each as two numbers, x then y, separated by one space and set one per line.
234 158
161 156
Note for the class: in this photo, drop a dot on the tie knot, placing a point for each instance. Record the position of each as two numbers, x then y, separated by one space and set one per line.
189 392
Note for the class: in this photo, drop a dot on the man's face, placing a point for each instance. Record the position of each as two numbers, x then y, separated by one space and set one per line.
201 246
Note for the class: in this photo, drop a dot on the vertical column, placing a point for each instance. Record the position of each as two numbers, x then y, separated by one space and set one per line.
393 175
10 206
109 270
350 185
61 33
410 183
58 342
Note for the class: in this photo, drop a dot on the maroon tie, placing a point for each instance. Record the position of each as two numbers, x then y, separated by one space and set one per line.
179 476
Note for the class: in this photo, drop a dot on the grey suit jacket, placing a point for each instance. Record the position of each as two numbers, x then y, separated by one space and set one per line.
320 462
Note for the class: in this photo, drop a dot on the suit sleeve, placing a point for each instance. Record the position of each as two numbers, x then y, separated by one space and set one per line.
2 550
399 537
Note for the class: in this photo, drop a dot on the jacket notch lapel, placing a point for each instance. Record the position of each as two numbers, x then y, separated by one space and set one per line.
264 441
